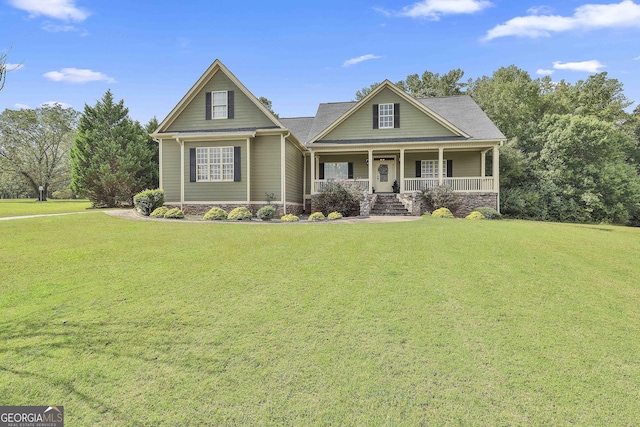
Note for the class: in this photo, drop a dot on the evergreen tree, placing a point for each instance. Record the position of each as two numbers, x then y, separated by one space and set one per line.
110 156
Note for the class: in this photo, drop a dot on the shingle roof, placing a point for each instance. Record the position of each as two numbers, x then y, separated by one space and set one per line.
460 111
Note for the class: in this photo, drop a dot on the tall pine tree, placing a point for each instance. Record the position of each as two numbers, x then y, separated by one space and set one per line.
110 157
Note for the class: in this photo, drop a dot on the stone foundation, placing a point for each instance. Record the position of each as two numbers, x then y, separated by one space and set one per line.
366 204
191 209
411 202
469 201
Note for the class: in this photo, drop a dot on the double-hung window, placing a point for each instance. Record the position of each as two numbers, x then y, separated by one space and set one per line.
214 164
336 170
219 105
385 116
429 169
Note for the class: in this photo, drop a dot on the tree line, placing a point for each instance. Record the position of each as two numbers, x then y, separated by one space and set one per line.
572 152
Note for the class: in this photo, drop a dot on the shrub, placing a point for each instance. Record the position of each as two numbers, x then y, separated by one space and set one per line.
475 215
442 213
334 215
65 193
148 201
215 214
489 213
239 214
338 196
289 218
174 213
441 196
316 216
159 212
266 213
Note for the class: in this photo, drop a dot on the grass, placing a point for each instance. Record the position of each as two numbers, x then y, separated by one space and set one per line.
21 207
434 322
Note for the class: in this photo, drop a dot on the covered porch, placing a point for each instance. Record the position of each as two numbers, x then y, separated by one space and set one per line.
404 170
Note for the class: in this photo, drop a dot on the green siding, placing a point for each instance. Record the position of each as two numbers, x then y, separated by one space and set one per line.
465 163
265 167
247 114
171 170
293 173
413 122
216 191
307 188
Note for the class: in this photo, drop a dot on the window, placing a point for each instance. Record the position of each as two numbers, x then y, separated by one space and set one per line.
429 169
214 164
219 105
336 170
385 116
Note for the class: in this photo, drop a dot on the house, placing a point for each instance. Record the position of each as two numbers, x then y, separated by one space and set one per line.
220 146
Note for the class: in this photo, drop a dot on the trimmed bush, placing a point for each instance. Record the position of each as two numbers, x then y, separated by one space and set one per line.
289 218
215 214
148 201
65 193
174 213
489 213
338 196
475 215
442 213
266 213
316 216
239 214
159 212
441 196
334 215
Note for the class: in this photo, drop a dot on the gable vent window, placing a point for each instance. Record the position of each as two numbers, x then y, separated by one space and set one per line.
219 105
385 116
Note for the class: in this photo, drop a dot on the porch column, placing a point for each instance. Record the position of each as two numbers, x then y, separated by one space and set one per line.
440 161
483 162
402 170
181 172
248 170
370 171
304 179
313 172
496 169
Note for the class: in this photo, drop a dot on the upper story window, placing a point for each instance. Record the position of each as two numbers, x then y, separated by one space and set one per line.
219 104
385 116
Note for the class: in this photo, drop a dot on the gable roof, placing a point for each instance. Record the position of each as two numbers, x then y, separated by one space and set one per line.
299 126
461 111
215 67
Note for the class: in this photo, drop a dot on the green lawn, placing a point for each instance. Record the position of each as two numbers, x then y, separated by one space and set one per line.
20 207
434 322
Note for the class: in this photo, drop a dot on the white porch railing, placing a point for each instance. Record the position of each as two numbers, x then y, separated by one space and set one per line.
457 184
319 184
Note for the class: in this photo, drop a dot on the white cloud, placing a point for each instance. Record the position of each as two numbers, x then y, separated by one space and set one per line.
22 106
53 103
359 59
75 75
59 9
54 28
586 17
543 72
637 58
13 67
540 10
433 9
592 66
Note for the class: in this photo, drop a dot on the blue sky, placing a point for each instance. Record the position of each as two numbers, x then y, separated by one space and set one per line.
301 53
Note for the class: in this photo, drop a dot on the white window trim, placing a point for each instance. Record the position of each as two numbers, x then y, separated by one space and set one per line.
209 163
214 105
435 168
380 116
337 163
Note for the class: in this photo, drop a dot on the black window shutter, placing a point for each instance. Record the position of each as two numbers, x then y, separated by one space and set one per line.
192 165
449 168
321 171
418 168
375 116
230 104
237 165
350 170
396 115
207 107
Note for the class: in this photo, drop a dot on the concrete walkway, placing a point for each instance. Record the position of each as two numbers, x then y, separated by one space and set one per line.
7 218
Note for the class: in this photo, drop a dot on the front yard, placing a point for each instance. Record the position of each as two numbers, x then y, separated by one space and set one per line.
429 322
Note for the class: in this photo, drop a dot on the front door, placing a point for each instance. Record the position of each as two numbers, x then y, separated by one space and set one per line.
385 175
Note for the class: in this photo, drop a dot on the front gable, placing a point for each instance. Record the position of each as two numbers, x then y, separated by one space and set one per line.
194 111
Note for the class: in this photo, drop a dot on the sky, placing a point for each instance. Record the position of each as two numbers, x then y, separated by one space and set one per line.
299 53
